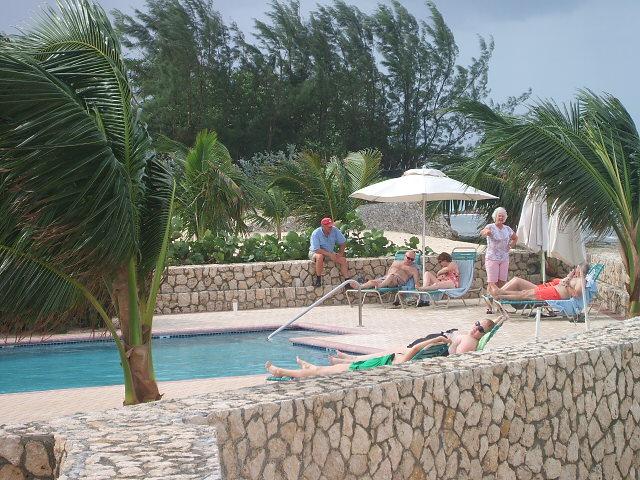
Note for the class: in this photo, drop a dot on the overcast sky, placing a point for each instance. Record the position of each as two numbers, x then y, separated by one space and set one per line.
553 46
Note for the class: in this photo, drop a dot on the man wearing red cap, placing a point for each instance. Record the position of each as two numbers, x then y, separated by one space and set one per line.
323 243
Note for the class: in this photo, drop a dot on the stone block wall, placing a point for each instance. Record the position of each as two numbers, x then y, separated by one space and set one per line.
612 291
562 409
212 288
30 456
565 409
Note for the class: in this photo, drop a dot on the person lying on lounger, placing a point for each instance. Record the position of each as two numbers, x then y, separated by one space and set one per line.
398 274
521 289
447 277
460 343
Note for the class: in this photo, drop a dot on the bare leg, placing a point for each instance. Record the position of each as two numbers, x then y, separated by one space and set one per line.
375 283
304 364
342 264
338 360
357 358
517 295
437 285
428 278
390 281
319 264
517 283
313 371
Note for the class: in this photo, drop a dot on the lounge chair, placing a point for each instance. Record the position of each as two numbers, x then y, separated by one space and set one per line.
571 307
387 290
465 257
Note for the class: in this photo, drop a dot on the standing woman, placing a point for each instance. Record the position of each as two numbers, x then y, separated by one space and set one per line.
500 239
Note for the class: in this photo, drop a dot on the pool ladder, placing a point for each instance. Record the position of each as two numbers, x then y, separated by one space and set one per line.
337 289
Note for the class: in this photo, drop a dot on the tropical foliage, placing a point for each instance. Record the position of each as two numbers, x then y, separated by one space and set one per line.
336 81
586 157
85 204
317 188
210 195
270 248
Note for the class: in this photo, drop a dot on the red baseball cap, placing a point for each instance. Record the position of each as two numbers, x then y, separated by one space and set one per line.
326 221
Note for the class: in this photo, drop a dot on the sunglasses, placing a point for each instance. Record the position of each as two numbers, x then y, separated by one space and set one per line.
479 327
410 258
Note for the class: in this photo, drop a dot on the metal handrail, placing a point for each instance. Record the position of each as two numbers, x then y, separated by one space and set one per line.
319 301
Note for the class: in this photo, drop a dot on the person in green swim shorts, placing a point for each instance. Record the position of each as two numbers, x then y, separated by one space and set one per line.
459 344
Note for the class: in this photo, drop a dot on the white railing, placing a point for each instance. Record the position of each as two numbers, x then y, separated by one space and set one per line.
322 299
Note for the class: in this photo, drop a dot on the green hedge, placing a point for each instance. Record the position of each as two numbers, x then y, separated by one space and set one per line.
267 248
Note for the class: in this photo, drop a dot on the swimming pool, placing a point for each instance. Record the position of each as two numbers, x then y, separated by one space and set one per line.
87 364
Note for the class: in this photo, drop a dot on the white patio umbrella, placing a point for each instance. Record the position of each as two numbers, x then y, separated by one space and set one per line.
420 185
533 228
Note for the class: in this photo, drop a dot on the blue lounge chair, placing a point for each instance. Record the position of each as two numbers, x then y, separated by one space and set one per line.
387 290
571 307
465 257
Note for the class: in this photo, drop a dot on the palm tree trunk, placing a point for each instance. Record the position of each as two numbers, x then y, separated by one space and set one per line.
137 343
633 287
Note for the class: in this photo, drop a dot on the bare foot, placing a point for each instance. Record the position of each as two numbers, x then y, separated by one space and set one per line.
273 370
302 364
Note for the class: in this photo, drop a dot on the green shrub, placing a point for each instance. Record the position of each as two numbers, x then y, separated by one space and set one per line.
293 246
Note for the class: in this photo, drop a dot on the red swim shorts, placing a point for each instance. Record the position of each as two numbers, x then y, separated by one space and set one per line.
544 292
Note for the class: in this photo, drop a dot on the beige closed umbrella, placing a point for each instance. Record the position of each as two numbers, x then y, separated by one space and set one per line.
533 227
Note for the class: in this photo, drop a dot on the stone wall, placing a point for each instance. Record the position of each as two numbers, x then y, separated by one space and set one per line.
30 456
212 288
612 291
566 408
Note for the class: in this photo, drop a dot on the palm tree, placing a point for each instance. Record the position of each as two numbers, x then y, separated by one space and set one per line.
210 189
586 157
271 208
87 202
317 188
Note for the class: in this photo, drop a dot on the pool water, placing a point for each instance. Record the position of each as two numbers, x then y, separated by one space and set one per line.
87 364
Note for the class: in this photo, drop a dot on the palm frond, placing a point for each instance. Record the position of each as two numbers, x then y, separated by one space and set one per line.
68 188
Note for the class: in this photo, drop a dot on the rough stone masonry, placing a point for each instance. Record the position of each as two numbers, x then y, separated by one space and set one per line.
567 408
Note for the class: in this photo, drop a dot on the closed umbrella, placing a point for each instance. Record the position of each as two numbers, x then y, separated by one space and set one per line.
533 228
566 240
421 185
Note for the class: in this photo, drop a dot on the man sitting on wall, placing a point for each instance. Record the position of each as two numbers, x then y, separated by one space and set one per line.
323 244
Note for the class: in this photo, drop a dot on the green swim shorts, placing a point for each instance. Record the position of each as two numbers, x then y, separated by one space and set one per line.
372 362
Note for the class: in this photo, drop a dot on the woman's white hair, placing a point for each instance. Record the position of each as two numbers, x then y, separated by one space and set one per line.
498 210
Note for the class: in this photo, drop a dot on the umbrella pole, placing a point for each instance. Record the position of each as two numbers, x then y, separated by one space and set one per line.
543 266
424 231
584 302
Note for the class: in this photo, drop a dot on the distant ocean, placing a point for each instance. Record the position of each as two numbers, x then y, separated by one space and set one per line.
468 226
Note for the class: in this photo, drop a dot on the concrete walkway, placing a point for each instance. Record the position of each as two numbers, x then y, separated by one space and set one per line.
383 328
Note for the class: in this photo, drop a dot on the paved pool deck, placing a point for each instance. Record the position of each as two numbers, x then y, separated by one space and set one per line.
384 327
